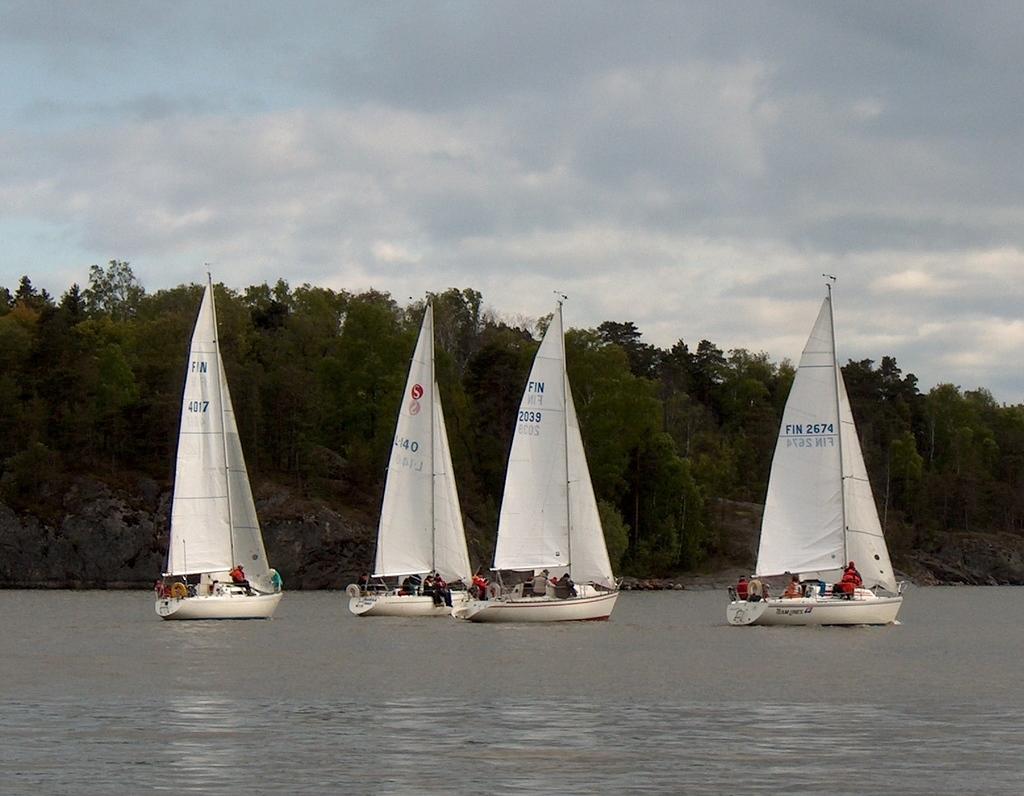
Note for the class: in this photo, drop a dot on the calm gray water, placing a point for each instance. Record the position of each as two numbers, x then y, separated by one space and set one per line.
100 696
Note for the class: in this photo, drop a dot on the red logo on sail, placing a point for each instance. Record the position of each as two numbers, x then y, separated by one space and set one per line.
417 392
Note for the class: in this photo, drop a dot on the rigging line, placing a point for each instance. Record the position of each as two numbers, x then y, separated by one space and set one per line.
866 532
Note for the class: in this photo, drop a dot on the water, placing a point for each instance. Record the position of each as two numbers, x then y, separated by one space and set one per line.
99 696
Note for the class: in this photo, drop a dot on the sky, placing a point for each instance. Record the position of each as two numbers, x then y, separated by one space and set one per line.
693 167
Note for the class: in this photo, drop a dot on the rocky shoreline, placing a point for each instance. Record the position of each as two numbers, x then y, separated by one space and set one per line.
106 537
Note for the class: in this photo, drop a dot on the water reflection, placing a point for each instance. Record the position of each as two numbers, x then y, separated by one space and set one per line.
443 745
662 699
207 740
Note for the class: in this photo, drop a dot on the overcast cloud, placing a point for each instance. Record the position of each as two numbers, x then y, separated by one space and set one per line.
692 167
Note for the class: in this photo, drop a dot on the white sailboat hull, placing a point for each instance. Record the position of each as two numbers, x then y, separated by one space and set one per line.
807 611
538 609
392 604
219 606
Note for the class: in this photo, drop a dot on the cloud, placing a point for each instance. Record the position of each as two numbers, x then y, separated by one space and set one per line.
693 168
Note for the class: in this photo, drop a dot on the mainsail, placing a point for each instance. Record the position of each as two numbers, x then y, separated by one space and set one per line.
819 511
549 515
421 523
213 516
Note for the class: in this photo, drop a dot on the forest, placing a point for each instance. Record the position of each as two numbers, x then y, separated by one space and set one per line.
91 383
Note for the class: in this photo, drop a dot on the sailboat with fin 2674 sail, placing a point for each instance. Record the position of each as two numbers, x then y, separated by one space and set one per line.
819 513
549 520
214 528
420 529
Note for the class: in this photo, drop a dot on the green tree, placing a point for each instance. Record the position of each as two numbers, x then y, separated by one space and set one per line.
113 291
643 357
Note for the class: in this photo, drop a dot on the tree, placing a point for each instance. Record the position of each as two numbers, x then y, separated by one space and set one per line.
28 296
643 358
707 371
458 324
114 292
72 305
493 384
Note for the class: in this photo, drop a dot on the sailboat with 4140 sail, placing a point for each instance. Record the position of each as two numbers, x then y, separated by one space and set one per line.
216 564
820 517
420 535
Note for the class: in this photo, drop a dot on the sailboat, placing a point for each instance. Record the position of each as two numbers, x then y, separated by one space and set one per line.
214 528
549 521
420 529
819 513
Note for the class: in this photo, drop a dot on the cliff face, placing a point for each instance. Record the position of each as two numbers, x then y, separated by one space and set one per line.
102 536
967 558
107 537
988 559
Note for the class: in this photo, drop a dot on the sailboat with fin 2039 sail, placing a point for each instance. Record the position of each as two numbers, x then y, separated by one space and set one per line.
549 521
420 528
214 527
819 512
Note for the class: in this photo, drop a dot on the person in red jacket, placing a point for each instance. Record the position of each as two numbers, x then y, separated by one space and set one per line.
480 586
850 581
741 588
441 591
238 578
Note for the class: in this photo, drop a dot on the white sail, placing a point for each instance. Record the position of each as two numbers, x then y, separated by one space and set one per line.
865 544
549 514
421 523
246 538
451 558
213 518
533 526
588 551
819 512
802 527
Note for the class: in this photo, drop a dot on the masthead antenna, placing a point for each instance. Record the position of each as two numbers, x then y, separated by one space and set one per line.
828 285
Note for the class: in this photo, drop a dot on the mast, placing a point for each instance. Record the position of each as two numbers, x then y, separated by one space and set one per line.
223 425
839 418
433 460
565 434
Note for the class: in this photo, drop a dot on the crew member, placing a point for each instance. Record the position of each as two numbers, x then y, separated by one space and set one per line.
794 589
238 577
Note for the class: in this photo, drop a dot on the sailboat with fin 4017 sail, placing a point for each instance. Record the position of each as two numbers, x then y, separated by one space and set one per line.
819 513
216 564
549 523
420 530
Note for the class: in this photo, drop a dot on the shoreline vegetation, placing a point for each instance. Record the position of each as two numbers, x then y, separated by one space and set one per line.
679 440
